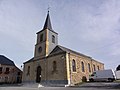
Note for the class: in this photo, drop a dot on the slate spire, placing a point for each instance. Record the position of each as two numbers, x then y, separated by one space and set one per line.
47 24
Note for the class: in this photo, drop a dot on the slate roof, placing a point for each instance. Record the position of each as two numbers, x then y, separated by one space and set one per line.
47 24
59 49
5 61
29 60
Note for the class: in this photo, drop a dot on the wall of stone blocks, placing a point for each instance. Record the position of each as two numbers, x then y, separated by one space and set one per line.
60 74
11 76
76 77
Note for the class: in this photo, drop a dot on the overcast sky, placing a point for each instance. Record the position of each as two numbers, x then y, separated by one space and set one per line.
91 27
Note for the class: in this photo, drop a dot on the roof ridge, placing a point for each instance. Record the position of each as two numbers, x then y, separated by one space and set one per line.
6 60
69 50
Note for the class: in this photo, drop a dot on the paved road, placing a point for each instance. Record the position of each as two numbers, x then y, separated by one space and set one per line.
101 85
86 86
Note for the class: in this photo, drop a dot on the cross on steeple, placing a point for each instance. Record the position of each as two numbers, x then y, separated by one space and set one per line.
48 8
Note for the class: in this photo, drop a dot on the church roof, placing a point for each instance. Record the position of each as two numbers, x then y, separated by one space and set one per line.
71 51
5 61
29 60
59 49
47 24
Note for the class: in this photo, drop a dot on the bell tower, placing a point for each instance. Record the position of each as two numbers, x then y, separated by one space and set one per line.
47 39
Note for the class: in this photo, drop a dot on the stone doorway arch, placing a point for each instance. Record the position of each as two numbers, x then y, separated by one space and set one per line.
38 74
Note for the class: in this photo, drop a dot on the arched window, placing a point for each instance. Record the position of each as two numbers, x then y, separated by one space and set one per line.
28 70
73 66
1 70
94 68
98 68
54 66
41 37
83 69
89 67
53 39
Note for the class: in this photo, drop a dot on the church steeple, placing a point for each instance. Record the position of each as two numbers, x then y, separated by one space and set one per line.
47 39
47 24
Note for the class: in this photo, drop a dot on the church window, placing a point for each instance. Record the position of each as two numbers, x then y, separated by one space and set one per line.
98 68
73 66
89 67
94 68
0 70
83 68
54 66
28 70
41 37
53 39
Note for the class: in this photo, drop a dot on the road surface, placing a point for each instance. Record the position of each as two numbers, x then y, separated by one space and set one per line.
86 86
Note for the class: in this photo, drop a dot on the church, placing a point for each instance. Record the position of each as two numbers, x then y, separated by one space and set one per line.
54 64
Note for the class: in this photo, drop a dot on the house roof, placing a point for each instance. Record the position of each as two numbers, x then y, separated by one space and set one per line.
5 61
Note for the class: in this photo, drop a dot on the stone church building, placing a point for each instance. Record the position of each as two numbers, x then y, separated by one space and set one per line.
55 64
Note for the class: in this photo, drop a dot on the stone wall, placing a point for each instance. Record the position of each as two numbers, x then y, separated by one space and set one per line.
10 76
77 76
58 75
48 74
63 72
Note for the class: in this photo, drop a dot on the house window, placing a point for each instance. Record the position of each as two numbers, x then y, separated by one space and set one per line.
0 70
7 70
41 37
89 67
18 73
98 68
73 66
28 70
94 68
13 70
53 39
83 69
54 66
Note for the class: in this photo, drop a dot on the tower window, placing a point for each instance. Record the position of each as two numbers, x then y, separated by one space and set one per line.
83 69
41 37
53 39
73 66
89 67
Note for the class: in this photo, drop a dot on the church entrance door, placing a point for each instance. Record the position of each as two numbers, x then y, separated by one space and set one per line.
38 74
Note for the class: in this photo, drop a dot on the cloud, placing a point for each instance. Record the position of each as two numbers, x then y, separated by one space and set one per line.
93 28
102 26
